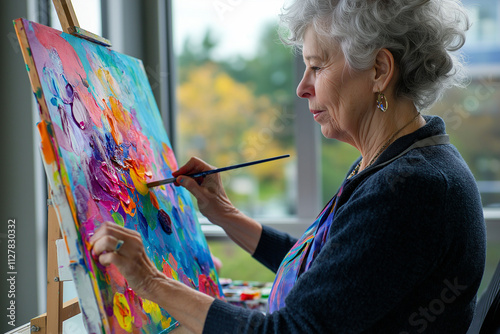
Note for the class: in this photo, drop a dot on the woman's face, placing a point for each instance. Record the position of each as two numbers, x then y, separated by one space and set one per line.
339 98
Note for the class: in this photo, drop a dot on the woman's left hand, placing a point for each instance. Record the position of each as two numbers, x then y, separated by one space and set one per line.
186 305
130 259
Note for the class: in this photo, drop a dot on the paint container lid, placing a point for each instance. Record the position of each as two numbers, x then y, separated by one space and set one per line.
250 295
265 292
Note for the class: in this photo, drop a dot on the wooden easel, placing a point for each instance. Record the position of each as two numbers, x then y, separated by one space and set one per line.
57 311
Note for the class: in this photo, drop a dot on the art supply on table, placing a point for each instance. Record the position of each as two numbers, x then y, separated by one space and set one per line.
213 171
250 295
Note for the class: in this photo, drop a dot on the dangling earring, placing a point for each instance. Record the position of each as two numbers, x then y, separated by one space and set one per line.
382 102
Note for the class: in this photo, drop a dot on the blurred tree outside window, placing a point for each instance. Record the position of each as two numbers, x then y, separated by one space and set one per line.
235 103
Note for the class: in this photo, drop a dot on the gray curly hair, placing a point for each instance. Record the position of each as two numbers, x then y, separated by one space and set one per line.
422 35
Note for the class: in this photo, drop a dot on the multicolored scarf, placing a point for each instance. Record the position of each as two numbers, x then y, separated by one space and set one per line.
301 256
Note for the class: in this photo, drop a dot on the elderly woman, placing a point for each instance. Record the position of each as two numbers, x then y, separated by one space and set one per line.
401 247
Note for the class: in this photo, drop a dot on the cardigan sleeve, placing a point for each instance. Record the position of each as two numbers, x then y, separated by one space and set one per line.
378 252
272 248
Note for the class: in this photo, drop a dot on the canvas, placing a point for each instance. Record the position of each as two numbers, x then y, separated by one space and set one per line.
102 139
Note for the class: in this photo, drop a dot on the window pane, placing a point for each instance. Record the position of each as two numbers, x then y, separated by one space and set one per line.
234 95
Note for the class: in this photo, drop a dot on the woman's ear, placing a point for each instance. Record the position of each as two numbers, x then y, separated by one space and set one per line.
384 70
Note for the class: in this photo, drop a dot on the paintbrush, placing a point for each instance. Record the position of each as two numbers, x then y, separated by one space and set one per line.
213 171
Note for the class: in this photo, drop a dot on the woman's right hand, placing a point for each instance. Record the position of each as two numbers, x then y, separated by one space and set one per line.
209 192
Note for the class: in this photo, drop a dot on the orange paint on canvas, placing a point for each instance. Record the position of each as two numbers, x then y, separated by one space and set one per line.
154 200
46 145
169 157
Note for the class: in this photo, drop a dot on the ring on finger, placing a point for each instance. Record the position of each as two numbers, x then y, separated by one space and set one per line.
119 245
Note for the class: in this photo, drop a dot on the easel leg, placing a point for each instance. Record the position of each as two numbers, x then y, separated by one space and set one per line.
57 312
54 286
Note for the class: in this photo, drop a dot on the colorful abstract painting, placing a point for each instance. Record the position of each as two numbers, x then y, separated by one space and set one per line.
102 139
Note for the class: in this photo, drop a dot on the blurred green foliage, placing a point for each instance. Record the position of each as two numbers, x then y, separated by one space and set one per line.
238 264
235 110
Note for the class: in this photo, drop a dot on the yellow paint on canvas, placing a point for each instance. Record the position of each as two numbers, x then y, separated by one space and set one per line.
121 310
166 322
139 183
153 310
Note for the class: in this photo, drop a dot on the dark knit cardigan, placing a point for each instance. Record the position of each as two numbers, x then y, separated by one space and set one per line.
405 252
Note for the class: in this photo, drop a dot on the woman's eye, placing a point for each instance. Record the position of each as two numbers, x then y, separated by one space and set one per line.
315 68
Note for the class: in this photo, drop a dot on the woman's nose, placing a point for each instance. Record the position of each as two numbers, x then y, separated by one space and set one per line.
305 89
